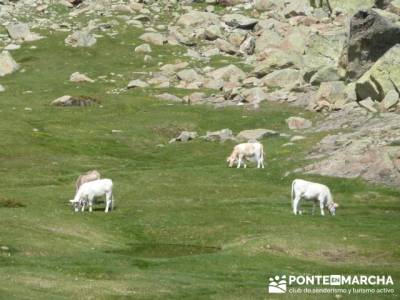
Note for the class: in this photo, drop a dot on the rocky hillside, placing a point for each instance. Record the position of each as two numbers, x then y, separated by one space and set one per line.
341 60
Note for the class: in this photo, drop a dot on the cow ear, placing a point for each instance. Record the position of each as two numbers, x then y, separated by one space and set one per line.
336 205
72 200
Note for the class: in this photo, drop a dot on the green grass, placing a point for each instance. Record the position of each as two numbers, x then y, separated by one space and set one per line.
185 225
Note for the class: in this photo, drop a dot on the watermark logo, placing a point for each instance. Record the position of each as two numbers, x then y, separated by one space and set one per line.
327 284
277 285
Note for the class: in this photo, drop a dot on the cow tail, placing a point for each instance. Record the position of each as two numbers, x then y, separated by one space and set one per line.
292 192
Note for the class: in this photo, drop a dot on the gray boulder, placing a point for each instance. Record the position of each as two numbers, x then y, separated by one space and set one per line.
185 136
21 32
239 21
7 64
371 35
80 39
383 77
154 38
255 134
219 135
74 101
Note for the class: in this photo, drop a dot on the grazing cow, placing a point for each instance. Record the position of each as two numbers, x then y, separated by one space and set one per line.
312 191
89 190
247 151
89 176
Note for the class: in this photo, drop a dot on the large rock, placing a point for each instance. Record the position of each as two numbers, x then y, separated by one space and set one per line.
7 64
323 50
229 73
328 73
331 94
383 77
371 35
198 18
254 95
286 78
276 59
21 32
225 46
154 38
350 6
189 75
239 21
371 152
80 39
268 4
297 8
220 135
212 32
391 99
255 134
269 38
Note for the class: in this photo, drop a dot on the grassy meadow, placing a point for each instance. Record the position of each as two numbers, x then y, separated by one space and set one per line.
185 226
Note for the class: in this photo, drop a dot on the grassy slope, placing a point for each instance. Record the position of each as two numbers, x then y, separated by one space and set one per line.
185 225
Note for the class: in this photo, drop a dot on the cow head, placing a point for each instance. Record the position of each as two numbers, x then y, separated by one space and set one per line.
75 204
231 161
332 208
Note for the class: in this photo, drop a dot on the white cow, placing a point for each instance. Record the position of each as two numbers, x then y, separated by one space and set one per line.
314 192
89 190
89 176
247 151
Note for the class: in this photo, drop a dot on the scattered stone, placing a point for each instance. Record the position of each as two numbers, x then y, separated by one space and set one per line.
11 47
144 48
169 97
7 64
185 136
154 38
220 135
80 39
21 32
74 101
369 104
225 46
391 99
239 21
296 123
198 18
229 73
255 134
297 138
78 77
137 83
188 75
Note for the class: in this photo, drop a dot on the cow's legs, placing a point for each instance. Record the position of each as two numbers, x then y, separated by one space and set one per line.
296 205
321 205
90 201
239 160
108 201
